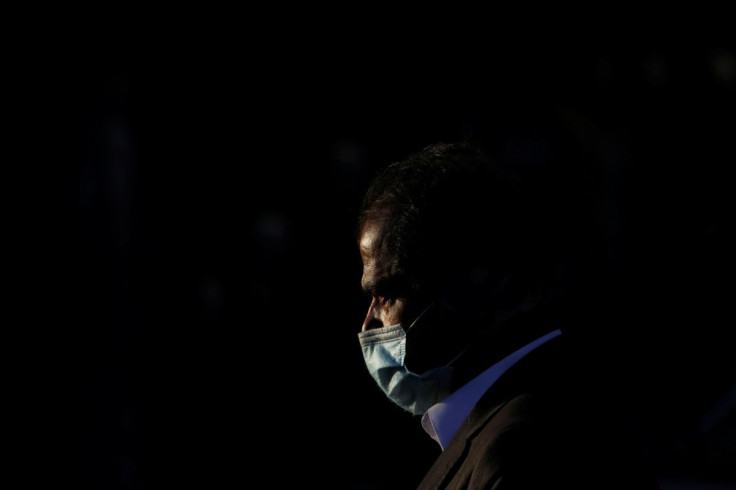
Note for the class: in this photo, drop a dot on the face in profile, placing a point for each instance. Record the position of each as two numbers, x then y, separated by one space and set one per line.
431 336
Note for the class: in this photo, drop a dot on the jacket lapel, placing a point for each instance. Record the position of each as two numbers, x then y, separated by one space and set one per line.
447 464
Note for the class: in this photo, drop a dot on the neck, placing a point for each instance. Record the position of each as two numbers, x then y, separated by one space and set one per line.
492 345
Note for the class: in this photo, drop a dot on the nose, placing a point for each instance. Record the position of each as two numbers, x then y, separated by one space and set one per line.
372 319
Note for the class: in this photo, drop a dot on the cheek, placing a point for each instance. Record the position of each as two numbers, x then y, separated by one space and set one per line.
394 313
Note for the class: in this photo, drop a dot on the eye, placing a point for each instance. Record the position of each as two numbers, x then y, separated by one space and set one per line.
385 301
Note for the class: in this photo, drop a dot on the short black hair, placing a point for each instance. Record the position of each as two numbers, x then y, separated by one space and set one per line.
453 211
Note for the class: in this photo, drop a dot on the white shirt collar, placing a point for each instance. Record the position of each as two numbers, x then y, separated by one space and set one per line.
443 419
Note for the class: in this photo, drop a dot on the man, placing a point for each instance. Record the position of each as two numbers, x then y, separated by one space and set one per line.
465 330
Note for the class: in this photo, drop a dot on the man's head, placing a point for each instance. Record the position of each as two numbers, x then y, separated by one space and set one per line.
445 227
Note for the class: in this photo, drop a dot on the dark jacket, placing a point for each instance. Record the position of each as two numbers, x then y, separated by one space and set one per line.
546 423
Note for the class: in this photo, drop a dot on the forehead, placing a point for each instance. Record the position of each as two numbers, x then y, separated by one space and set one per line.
371 235
371 239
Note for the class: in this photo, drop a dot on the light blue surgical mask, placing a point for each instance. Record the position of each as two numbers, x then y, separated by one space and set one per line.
384 350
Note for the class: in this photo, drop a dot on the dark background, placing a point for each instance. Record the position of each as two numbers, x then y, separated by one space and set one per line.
195 284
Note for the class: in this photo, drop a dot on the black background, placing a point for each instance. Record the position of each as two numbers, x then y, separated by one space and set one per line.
195 284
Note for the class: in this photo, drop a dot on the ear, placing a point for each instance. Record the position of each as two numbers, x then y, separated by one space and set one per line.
468 299
481 300
477 288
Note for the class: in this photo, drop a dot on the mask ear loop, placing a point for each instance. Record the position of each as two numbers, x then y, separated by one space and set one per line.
420 316
452 361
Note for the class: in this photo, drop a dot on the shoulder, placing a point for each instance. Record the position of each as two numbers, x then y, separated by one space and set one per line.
519 420
529 443
512 446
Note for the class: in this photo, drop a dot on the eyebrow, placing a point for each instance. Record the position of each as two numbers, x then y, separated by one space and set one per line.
384 286
370 287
